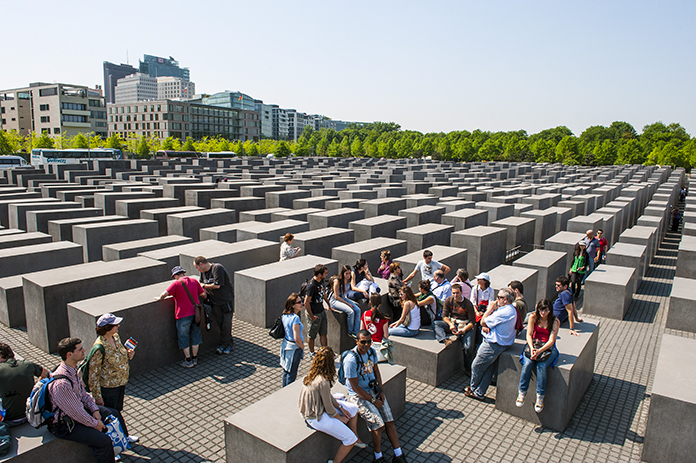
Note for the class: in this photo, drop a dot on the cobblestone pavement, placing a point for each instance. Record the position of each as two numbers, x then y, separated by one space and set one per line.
178 412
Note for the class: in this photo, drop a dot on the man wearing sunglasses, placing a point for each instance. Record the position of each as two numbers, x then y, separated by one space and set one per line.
498 328
364 384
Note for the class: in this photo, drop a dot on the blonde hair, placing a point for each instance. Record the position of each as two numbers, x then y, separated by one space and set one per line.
323 364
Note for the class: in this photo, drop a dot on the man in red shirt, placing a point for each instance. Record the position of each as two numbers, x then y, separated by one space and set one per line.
603 245
188 331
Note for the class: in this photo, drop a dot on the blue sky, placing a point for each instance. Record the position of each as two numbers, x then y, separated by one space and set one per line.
429 66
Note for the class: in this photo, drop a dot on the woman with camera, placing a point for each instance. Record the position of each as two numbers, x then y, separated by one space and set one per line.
540 351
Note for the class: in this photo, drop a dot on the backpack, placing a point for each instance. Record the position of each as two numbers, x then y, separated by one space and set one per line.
83 368
358 358
39 410
303 288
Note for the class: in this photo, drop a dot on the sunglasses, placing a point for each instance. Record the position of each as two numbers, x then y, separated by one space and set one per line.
365 342
298 302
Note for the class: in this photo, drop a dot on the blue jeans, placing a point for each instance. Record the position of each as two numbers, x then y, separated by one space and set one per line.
351 309
590 268
188 332
541 367
354 295
442 330
401 330
289 377
484 365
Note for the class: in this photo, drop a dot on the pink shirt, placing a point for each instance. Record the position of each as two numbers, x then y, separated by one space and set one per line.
184 307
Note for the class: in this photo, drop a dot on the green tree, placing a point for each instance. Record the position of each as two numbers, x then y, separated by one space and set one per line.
188 145
301 148
605 153
630 152
168 144
322 147
16 142
567 151
251 148
356 148
114 141
79 141
307 133
43 141
344 148
143 148
334 149
282 149
5 147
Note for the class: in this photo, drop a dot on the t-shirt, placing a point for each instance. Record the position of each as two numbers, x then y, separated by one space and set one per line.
461 310
184 307
603 243
564 298
217 275
289 321
502 325
367 369
428 270
592 245
375 327
16 382
443 290
315 291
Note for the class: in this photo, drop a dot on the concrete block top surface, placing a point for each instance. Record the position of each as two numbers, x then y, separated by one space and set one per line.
513 221
213 248
504 274
427 228
675 375
379 220
88 271
625 249
566 237
286 267
176 239
540 258
439 253
688 243
682 288
201 212
114 302
320 233
37 249
612 275
371 244
335 212
113 224
481 230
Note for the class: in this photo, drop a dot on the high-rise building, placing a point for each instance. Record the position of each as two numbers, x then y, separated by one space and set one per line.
280 123
170 88
53 109
155 66
136 87
265 117
113 72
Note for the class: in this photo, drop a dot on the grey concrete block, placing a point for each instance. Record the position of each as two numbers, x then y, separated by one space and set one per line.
295 214
131 208
609 290
645 236
425 236
203 198
261 290
61 230
31 445
107 200
248 436
466 218
38 220
321 242
563 215
314 201
160 215
37 257
502 275
149 322
686 260
260 215
12 301
95 235
670 427
682 311
455 258
178 190
421 215
369 250
415 200
544 226
496 211
270 231
381 226
17 212
339 218
455 205
383 206
629 255
127 249
47 293
190 223
285 198
549 265
520 232
485 246
564 241
566 382
241 204
23 239
427 360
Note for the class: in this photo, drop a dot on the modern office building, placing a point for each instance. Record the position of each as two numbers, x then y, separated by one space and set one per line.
279 123
136 87
171 88
53 109
228 99
181 119
113 72
297 122
265 117
155 66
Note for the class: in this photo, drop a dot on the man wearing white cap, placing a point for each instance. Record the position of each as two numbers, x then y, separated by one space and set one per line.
188 331
482 295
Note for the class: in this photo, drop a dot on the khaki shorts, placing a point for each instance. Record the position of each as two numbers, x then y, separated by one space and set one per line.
318 326
374 417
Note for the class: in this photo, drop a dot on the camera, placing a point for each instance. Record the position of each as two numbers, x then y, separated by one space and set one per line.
375 387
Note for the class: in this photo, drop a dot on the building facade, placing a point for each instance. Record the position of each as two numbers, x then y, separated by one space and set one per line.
53 109
169 88
279 123
155 66
265 118
113 72
136 87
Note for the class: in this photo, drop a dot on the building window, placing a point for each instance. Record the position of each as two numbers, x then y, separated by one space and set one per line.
56 130
73 106
43 107
46 131
45 119
71 118
95 103
48 91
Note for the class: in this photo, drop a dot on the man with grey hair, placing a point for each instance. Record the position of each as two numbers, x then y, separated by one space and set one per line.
498 328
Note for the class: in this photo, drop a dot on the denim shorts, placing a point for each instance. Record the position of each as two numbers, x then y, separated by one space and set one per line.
188 333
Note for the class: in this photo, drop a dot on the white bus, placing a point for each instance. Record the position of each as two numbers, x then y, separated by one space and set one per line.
220 154
8 162
40 157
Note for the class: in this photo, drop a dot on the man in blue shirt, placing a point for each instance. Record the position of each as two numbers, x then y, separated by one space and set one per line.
498 328
591 245
365 389
564 306
440 286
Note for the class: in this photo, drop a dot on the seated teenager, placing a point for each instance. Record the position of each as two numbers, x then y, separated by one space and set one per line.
374 321
410 321
361 282
427 300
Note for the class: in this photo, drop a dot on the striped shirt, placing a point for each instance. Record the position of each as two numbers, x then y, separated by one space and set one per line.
72 400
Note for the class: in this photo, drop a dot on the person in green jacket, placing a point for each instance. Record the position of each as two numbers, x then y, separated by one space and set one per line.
579 267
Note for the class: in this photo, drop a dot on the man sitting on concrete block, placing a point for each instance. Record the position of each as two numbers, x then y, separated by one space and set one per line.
440 286
315 297
459 321
16 382
564 305
427 267
217 283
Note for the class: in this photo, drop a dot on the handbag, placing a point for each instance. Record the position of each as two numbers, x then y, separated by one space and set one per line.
537 345
115 432
199 308
277 331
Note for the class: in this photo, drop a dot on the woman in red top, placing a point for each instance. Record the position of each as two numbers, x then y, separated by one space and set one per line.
542 330
374 320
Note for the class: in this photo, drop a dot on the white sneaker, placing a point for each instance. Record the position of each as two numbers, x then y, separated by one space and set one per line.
133 439
539 405
520 398
117 458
